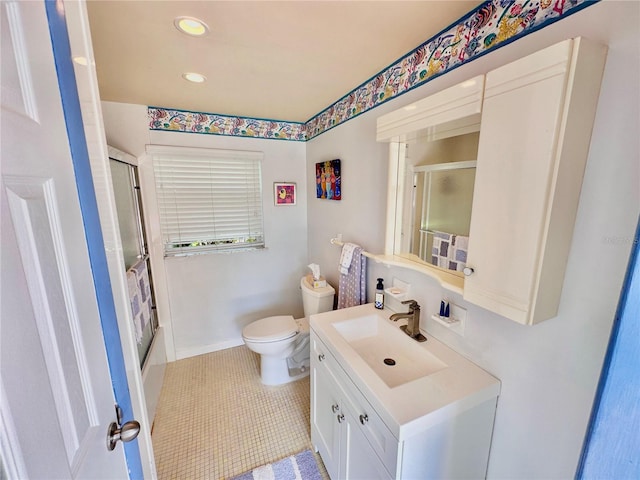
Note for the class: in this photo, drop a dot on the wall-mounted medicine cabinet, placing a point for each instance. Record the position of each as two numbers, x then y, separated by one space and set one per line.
485 178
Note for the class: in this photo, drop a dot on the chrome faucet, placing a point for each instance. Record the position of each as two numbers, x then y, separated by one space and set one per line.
413 315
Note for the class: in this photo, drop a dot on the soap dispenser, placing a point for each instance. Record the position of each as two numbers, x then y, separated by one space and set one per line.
379 295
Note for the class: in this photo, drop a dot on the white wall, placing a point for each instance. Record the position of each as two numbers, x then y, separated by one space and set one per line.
549 372
127 127
211 297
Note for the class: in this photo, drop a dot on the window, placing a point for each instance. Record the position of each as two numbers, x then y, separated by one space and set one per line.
208 200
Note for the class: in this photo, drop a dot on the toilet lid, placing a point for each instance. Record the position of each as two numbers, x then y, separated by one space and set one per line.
271 329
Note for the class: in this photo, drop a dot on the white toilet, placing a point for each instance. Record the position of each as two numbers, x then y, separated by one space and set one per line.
283 342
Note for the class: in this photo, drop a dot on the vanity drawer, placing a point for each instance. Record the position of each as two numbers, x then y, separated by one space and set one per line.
364 417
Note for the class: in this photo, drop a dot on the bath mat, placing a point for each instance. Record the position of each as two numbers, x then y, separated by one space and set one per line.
301 466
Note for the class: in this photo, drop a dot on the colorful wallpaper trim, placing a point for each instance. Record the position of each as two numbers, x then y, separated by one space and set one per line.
493 23
214 124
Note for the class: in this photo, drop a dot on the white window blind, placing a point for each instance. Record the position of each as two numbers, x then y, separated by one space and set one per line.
208 199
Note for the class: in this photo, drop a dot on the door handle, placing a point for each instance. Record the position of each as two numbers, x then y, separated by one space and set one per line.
126 433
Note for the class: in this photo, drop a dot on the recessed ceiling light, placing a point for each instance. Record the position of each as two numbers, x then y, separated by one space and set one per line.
80 60
191 26
194 77
468 83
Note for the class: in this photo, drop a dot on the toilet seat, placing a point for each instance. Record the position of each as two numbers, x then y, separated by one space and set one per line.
271 329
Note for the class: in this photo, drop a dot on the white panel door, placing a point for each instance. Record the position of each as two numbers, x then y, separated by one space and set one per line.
537 117
361 462
56 398
325 410
516 157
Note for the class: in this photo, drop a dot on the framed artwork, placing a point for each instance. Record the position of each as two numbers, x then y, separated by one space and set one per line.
329 180
284 193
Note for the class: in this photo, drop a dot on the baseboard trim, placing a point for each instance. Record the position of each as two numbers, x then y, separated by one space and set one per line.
182 353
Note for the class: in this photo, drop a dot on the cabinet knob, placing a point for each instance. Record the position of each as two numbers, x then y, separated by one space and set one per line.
364 419
335 407
341 418
321 357
468 271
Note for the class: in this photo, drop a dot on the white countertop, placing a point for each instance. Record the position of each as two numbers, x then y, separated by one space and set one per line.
414 406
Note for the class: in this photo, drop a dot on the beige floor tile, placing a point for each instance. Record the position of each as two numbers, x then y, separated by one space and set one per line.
215 419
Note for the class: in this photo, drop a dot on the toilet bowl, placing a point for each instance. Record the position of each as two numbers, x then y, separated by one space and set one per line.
276 339
283 342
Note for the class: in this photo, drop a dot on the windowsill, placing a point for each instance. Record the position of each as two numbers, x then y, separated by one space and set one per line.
226 251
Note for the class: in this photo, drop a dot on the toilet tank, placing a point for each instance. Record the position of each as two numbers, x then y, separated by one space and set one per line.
316 300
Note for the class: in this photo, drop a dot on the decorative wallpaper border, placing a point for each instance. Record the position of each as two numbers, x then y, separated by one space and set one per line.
492 24
215 124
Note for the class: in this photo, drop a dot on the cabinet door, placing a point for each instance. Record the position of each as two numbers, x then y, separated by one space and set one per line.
325 412
361 461
525 198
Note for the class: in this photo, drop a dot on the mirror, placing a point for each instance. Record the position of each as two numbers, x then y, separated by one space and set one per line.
433 145
437 193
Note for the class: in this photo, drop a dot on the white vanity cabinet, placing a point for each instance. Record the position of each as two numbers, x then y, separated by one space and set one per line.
537 117
340 425
418 431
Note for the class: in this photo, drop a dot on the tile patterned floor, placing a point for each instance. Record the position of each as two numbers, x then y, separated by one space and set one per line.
216 420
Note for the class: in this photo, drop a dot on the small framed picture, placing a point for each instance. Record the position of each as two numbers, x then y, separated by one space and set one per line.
329 180
284 193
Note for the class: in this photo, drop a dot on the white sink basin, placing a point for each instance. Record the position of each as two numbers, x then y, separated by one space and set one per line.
391 354
428 384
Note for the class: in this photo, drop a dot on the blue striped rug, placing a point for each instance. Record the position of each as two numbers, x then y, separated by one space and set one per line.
301 466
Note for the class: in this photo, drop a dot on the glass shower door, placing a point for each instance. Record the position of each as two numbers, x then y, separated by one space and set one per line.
134 244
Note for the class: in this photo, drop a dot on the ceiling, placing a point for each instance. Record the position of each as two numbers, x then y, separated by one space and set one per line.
283 60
